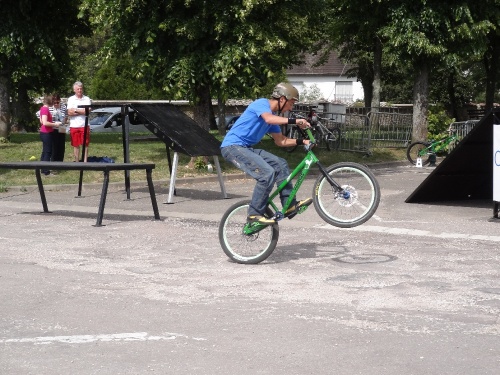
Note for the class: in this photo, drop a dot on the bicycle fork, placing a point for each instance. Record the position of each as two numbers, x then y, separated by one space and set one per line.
345 194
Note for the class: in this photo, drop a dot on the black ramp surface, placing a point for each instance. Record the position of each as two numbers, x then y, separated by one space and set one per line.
467 172
169 123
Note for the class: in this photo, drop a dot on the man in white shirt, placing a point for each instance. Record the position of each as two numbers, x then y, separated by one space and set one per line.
77 121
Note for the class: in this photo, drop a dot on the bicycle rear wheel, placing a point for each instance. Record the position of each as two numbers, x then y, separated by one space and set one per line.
243 248
418 150
333 139
355 203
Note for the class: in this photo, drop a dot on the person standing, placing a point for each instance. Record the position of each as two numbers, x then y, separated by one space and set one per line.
58 112
77 121
46 129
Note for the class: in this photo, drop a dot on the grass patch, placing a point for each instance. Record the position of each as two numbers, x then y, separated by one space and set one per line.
23 146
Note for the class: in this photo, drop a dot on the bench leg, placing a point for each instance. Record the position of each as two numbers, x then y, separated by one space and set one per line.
80 183
40 189
127 184
152 193
104 192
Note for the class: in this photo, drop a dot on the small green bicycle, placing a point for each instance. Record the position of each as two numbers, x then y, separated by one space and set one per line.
424 150
344 195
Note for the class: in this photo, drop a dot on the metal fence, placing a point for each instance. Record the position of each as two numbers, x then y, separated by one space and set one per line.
390 129
355 130
362 132
462 128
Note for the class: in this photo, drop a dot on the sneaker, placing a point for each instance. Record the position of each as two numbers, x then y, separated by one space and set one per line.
260 219
299 207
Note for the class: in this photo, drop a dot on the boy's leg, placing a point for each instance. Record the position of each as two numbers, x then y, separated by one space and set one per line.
254 165
282 172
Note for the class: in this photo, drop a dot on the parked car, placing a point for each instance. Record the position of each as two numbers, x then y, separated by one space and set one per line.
108 120
230 120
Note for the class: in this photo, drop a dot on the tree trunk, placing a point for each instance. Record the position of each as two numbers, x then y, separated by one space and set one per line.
221 105
4 107
202 110
377 72
450 88
420 102
368 92
491 57
365 76
203 107
22 116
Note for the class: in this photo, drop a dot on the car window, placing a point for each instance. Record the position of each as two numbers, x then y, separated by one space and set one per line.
98 118
136 119
116 118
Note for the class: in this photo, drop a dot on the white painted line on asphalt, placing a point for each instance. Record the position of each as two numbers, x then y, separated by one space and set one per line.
84 339
415 232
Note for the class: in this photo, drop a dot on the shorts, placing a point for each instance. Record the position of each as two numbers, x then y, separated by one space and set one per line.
76 135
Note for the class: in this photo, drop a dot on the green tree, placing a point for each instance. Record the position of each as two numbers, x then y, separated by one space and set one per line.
199 50
427 33
486 12
354 30
33 53
115 80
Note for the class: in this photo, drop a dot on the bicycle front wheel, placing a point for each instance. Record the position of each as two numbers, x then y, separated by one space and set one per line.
333 139
418 150
355 203
243 248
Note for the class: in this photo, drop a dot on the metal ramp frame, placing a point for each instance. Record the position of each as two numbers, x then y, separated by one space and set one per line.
177 130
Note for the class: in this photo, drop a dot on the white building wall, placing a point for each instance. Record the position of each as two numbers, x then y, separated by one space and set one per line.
330 91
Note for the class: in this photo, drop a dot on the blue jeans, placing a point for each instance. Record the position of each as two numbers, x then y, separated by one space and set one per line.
47 142
266 168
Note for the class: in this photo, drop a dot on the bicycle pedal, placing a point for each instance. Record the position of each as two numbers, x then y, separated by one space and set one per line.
291 216
302 209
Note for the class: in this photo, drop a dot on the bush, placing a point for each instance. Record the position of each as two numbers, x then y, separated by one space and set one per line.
439 121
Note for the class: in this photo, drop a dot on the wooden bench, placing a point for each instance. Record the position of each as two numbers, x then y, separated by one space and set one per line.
38 166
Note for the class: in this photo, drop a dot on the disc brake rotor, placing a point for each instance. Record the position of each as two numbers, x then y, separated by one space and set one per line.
347 197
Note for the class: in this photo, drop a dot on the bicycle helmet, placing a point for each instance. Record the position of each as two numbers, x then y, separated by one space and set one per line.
286 90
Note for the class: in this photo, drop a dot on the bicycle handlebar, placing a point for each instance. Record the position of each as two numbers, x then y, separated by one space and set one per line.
310 135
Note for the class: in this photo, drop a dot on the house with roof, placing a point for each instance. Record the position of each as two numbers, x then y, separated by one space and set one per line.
329 79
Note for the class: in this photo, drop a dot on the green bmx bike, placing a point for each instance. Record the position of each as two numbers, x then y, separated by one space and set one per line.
424 150
344 195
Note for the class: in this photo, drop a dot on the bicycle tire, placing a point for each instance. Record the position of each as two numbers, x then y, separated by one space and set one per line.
357 205
333 139
292 134
415 149
242 248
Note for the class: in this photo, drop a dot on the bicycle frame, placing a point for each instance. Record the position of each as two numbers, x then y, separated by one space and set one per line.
319 130
439 145
303 169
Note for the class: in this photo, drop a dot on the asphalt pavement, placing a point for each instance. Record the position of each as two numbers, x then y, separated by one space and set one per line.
415 290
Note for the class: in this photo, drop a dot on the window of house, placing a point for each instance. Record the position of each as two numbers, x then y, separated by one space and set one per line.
343 91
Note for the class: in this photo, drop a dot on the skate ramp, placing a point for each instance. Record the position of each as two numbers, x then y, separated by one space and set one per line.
467 172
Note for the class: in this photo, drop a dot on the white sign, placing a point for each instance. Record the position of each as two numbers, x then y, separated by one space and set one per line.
496 162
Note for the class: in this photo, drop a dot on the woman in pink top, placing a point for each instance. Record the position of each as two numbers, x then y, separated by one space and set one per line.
46 129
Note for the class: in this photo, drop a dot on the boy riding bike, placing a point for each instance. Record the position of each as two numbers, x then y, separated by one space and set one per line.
262 117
